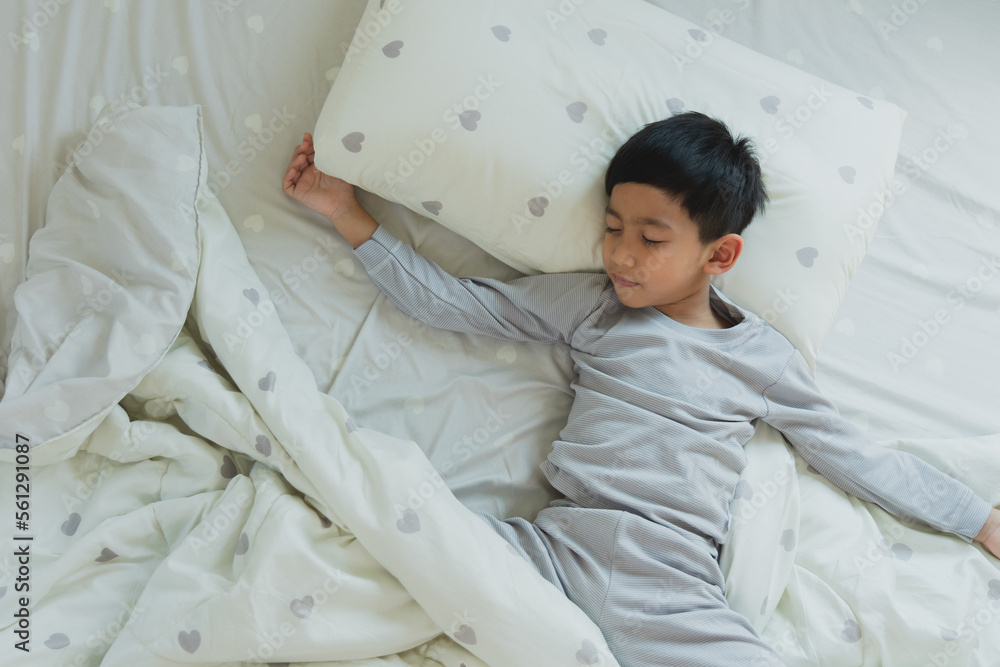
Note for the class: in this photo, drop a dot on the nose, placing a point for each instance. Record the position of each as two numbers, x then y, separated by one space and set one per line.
621 252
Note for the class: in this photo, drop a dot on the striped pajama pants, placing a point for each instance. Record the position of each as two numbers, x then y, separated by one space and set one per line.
657 596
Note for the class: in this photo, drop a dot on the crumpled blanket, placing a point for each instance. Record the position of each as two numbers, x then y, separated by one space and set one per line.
193 497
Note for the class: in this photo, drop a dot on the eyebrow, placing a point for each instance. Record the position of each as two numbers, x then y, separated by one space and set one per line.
649 221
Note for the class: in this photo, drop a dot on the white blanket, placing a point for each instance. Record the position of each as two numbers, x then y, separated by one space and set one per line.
193 496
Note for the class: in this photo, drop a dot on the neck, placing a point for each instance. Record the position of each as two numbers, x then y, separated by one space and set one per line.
695 310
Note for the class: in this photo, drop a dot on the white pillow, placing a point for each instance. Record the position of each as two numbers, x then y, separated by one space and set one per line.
498 121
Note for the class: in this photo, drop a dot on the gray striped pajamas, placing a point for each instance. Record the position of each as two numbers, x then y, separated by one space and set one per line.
653 448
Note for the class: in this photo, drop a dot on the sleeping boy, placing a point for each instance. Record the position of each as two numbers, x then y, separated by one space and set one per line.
647 465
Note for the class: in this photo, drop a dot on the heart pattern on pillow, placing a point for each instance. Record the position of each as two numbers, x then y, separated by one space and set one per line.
508 145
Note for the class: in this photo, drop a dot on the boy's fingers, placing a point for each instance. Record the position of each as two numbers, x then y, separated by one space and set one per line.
296 162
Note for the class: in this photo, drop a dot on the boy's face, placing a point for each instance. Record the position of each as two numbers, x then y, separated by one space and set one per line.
673 267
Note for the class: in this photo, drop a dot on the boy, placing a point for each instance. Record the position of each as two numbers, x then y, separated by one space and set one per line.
647 466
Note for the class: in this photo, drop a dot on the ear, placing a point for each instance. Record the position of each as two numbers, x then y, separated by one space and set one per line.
723 253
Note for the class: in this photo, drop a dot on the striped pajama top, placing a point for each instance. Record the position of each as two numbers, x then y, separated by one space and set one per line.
662 410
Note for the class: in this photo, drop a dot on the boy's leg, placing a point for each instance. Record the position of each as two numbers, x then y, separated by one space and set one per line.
525 538
622 576
666 605
692 630
569 545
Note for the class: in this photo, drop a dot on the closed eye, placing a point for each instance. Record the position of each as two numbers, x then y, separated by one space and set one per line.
608 230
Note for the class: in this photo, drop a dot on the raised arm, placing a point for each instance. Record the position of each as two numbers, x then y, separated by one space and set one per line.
545 308
901 483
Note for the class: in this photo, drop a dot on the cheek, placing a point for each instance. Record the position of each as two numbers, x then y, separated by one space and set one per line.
658 261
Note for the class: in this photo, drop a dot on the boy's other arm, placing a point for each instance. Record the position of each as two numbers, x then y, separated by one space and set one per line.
901 483
541 308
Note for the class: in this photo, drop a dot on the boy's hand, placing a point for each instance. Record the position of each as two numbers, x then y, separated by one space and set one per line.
325 194
990 534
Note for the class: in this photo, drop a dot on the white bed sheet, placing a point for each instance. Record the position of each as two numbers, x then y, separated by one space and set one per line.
261 70
934 237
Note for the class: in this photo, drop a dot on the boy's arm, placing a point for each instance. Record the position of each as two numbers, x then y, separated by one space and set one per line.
543 308
903 484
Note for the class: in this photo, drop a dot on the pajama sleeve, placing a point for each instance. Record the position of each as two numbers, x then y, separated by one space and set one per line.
901 483
544 308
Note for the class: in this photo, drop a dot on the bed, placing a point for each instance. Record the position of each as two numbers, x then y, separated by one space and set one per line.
180 509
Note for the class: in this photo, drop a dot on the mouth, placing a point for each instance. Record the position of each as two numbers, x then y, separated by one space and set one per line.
623 282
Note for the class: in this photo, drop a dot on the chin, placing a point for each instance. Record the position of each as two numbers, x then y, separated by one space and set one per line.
625 293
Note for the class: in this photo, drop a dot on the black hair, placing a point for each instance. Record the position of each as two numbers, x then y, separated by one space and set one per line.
695 158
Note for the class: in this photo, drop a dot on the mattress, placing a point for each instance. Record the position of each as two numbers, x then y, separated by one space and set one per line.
909 358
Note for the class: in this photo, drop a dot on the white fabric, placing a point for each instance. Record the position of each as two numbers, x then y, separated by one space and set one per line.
397 531
249 63
509 143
